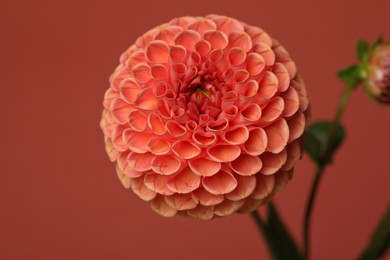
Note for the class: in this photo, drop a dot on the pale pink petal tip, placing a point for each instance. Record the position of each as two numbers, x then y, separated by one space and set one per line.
204 117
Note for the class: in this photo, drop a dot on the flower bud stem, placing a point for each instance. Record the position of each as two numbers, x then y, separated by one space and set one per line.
325 159
262 227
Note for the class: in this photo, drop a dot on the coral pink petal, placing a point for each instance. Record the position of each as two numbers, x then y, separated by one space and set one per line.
217 39
246 165
273 109
184 182
185 149
110 149
258 35
277 135
169 33
257 142
137 120
157 183
129 90
137 142
204 167
120 110
157 52
236 135
218 125
159 72
141 73
202 25
206 198
273 162
296 125
266 52
204 138
227 207
125 168
291 100
177 53
175 129
250 89
264 186
139 188
224 153
159 205
203 47
241 76
236 56
246 186
228 25
281 179
159 146
220 183
251 113
285 59
140 162
282 74
117 138
165 164
240 39
294 153
181 201
254 64
188 39
268 85
146 100
124 179
155 123
201 212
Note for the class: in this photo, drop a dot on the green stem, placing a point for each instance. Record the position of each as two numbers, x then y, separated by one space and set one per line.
262 227
321 167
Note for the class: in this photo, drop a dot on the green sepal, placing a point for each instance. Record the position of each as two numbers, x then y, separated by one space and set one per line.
362 50
315 139
380 240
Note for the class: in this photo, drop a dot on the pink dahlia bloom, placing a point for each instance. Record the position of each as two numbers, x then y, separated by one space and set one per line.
377 84
204 116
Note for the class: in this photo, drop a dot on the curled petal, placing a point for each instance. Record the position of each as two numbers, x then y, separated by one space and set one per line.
254 63
246 186
246 165
206 198
177 53
157 52
236 135
120 110
110 149
175 129
129 90
159 146
265 185
227 207
273 162
141 73
155 123
229 113
185 149
291 100
250 114
258 35
229 99
257 142
159 205
146 100
268 85
181 201
157 183
217 126
220 183
282 74
203 47
250 205
163 109
137 120
273 109
159 72
227 25
204 167
124 179
266 52
249 89
294 153
125 168
236 56
168 34
202 25
296 124
282 178
139 188
285 59
224 153
204 138
240 39
139 162
241 76
277 135
191 125
117 138
201 212
188 39
165 164
184 182
217 39
137 142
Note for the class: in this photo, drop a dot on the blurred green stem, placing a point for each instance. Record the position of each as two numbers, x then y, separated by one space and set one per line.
262 227
325 159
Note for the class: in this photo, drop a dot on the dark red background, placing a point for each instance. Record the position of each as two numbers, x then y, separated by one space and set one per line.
59 194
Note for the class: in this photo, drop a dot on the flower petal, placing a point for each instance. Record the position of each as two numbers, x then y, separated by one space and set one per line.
238 134
224 153
157 52
246 165
139 188
165 164
272 162
159 205
257 142
227 207
277 135
181 201
188 39
185 150
217 39
184 182
137 120
157 183
206 198
245 187
137 142
204 167
159 146
220 183
265 185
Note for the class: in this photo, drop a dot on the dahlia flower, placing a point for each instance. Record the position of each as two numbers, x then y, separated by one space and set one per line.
203 117
377 83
